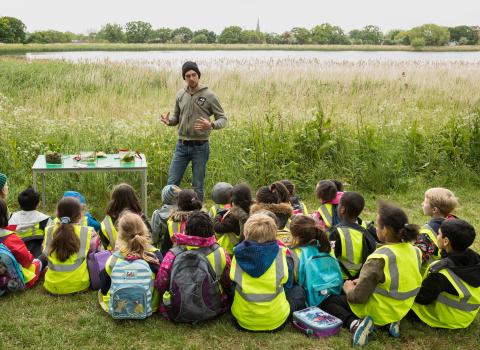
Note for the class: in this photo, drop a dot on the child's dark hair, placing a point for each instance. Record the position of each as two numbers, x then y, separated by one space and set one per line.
396 219
338 185
305 231
242 196
199 224
3 213
188 201
275 193
290 186
123 198
65 242
326 190
353 202
28 199
459 232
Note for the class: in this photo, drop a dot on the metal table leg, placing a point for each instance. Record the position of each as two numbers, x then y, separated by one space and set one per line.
144 191
43 191
34 174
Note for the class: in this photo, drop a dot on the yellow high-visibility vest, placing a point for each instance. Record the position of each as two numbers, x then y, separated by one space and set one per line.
71 275
448 310
109 232
392 299
260 302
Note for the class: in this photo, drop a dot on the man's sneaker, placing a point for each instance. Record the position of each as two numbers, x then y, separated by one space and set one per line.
394 329
361 332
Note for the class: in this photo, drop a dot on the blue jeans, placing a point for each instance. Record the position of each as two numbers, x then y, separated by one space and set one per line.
184 153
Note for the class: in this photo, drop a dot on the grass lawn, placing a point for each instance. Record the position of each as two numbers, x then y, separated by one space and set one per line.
37 320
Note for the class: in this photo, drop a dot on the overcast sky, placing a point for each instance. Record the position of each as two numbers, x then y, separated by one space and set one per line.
275 15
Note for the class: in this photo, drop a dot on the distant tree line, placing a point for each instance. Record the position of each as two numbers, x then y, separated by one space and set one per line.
12 30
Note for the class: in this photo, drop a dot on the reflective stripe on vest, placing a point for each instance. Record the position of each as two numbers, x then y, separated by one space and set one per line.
217 258
48 239
81 254
395 277
30 232
264 297
349 251
108 225
4 233
326 215
463 304
175 227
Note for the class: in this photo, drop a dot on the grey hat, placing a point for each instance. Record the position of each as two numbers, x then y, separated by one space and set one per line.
169 193
221 193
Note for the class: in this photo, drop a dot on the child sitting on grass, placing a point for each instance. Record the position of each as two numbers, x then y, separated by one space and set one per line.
264 296
228 225
67 246
88 218
222 198
389 280
30 223
161 215
123 198
133 243
188 202
31 268
192 306
328 192
439 203
276 199
349 236
315 269
450 292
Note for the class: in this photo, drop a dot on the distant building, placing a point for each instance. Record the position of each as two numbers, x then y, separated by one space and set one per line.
258 25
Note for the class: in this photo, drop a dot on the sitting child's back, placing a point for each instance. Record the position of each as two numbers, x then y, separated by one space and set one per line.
133 265
190 272
260 270
66 245
30 223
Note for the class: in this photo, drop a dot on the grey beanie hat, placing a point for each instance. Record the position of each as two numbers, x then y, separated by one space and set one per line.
221 193
169 193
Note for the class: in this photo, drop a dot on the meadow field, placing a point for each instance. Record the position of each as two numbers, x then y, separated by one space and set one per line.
387 129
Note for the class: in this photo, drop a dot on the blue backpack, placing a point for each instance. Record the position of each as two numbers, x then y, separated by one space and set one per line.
11 276
131 288
319 274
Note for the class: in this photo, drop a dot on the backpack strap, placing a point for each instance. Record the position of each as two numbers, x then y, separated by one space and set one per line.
113 260
178 250
217 256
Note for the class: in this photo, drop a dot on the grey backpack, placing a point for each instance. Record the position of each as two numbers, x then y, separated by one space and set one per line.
194 285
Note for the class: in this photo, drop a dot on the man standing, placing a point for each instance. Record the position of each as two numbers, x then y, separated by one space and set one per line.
194 105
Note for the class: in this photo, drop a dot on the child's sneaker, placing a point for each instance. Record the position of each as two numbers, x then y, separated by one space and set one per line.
394 329
361 331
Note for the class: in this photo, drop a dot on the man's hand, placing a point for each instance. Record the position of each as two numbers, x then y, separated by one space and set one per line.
203 124
348 286
165 118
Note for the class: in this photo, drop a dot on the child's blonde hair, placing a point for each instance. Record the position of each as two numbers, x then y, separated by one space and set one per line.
442 198
134 238
260 228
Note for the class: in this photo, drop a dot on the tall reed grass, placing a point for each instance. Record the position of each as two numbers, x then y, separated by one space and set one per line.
380 127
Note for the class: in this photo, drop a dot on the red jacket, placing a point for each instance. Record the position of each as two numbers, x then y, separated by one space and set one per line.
19 250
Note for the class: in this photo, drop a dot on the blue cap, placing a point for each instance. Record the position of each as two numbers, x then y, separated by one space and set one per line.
75 194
